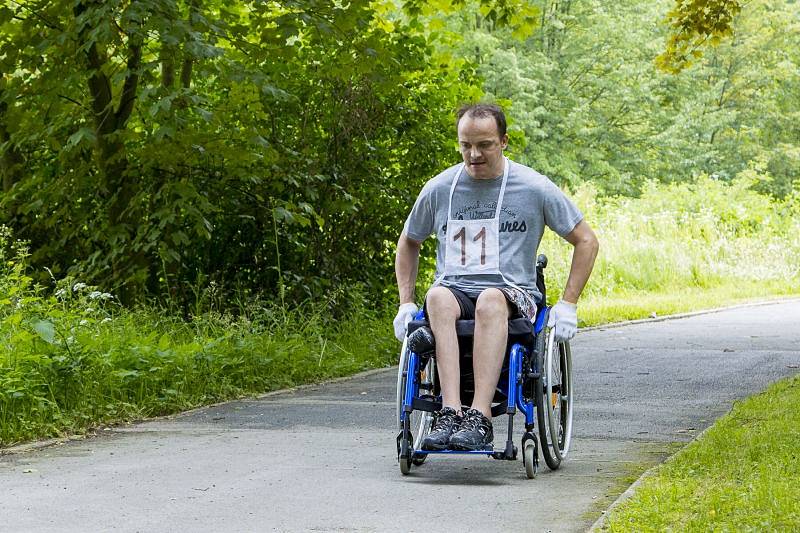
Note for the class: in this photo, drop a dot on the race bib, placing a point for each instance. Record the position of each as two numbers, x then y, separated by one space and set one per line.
473 247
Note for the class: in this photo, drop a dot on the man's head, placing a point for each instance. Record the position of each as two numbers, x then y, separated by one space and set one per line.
482 138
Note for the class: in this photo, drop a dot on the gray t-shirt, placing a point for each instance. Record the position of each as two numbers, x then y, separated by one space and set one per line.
531 201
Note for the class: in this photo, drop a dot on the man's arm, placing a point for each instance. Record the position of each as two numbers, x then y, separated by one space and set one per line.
406 264
585 242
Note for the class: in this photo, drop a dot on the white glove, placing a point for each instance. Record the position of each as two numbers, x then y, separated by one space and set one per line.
404 316
564 317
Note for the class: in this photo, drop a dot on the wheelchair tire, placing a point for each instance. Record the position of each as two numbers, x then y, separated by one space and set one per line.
406 450
405 466
554 400
420 422
530 455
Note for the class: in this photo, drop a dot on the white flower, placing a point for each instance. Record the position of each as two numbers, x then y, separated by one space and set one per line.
79 286
106 296
90 309
83 322
60 293
105 320
95 295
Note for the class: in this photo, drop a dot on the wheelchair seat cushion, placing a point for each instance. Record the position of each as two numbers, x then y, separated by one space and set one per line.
466 328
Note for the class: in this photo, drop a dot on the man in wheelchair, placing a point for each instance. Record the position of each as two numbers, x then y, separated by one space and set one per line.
489 215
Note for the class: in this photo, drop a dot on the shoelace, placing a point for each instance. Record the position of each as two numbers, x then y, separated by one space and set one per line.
472 422
444 420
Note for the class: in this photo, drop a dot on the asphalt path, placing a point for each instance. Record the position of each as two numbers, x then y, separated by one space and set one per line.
323 458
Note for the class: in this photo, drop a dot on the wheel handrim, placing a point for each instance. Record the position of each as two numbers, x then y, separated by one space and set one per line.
558 390
567 398
419 421
401 382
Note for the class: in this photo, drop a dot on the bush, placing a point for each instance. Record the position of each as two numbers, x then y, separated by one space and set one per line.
72 358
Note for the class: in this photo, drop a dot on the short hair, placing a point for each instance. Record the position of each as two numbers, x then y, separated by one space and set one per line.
484 111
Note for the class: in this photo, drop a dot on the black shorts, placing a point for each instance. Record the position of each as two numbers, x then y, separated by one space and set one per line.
467 304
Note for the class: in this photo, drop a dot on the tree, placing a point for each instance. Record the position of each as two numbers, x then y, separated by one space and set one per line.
262 145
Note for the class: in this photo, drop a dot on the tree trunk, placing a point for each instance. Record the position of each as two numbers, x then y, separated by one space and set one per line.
11 161
188 60
117 189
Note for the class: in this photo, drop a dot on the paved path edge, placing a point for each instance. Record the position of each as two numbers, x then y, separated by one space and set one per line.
772 301
600 523
97 431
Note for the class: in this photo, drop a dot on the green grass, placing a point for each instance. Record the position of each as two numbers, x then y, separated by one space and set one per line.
64 374
72 359
743 474
646 456
631 305
680 247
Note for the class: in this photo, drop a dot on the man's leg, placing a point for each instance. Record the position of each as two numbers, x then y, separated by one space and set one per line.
489 348
443 311
488 352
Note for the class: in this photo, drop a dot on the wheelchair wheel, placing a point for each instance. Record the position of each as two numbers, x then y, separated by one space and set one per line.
530 455
420 422
554 394
406 451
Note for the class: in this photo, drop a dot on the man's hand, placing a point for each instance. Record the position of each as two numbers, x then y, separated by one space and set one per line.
404 316
564 317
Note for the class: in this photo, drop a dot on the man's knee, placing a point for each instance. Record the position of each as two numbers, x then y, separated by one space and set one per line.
441 303
491 304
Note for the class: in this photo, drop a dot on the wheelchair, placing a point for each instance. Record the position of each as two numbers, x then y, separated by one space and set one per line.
536 379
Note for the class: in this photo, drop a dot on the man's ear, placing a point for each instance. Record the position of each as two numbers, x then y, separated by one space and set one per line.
504 141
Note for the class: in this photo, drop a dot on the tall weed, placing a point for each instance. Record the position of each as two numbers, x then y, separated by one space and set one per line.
699 235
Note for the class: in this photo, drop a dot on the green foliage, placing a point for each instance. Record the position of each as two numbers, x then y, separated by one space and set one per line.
274 148
693 23
170 142
75 359
693 237
585 102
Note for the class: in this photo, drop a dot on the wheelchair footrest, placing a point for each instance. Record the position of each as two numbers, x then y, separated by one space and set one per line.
489 452
485 451
510 454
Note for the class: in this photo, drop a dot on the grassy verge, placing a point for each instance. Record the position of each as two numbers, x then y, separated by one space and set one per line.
76 361
71 358
631 305
743 474
64 374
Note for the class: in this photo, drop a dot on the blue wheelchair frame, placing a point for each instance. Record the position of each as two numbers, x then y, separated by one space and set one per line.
524 384
511 388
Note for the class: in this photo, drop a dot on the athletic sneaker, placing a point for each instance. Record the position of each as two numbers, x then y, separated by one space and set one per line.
474 432
445 422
